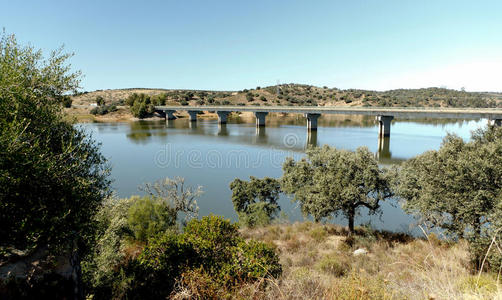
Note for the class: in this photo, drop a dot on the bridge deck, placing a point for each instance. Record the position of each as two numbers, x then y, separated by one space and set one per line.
405 113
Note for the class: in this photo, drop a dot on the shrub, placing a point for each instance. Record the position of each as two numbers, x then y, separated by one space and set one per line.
148 216
262 98
67 101
331 265
103 110
100 101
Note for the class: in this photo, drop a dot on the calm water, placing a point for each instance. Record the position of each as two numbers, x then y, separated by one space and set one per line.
212 156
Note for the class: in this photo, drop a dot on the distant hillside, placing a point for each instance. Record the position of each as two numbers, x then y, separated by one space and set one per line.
298 94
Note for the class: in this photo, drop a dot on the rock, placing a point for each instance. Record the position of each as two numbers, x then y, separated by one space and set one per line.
360 251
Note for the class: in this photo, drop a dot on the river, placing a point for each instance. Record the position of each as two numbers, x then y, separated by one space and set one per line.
210 155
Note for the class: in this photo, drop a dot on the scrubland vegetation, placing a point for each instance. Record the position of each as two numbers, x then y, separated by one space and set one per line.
291 95
65 235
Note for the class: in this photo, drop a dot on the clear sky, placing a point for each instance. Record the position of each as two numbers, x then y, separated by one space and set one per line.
231 45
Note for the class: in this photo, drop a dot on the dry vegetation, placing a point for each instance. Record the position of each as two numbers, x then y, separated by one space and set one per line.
319 263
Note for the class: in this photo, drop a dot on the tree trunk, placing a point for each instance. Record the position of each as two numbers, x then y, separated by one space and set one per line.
351 216
76 272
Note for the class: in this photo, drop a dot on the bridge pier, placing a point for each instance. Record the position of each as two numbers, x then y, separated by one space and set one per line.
312 121
384 129
192 115
170 114
495 122
260 118
222 117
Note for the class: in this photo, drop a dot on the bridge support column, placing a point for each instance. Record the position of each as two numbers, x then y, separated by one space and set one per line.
170 114
312 121
192 115
384 129
260 118
222 117
495 122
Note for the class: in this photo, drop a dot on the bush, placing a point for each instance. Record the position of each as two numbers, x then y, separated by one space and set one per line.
149 216
100 101
209 258
67 101
103 110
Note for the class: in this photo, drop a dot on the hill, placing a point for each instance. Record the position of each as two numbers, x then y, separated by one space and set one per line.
291 95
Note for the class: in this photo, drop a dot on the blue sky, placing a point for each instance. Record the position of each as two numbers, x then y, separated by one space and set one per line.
231 45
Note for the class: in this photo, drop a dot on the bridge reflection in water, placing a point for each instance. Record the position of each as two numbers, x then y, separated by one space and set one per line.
239 131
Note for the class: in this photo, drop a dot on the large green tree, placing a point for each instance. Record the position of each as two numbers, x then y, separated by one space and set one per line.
52 175
458 186
329 181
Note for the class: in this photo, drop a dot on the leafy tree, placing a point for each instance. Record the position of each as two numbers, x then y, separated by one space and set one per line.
100 101
255 201
457 187
52 175
331 181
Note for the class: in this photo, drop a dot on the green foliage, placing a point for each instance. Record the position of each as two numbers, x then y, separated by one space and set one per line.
226 256
331 181
103 110
458 187
211 247
255 201
100 101
52 175
141 105
67 101
149 216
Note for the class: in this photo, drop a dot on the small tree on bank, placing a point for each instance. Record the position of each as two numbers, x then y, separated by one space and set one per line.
331 181
255 201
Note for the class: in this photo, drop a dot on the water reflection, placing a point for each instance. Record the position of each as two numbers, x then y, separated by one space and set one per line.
383 148
241 130
312 138
212 156
261 135
222 130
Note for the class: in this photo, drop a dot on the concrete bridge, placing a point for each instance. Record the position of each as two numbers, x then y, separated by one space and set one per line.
383 115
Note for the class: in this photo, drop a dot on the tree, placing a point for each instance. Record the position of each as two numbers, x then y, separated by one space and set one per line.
458 186
100 101
331 181
255 201
52 175
177 196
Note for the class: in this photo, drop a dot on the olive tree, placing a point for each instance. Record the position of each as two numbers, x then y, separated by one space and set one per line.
52 175
329 181
458 187
255 201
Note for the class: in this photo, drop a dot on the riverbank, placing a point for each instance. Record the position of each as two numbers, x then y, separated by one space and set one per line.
321 262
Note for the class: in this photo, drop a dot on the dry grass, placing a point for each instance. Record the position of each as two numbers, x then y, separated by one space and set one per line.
318 263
